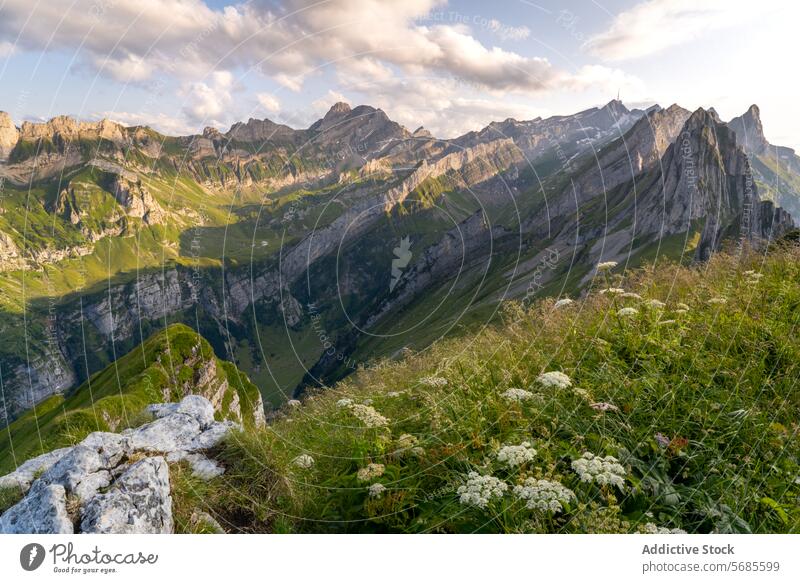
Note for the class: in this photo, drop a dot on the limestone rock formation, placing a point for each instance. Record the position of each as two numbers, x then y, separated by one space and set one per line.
115 483
8 135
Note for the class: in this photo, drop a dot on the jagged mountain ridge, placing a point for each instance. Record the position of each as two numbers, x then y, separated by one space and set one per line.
482 210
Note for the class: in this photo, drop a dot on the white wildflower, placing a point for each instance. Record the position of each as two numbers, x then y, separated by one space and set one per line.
392 394
682 306
516 455
406 444
651 528
544 495
304 461
294 403
606 265
376 490
370 472
666 322
656 304
602 470
344 402
679 311
368 415
582 393
628 312
562 303
631 296
479 490
517 395
367 402
437 382
554 379
407 441
603 406
613 291
717 301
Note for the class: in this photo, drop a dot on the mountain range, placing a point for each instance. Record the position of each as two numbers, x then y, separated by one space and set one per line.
304 254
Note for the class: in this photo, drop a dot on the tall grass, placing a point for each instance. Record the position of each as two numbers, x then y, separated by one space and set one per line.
699 403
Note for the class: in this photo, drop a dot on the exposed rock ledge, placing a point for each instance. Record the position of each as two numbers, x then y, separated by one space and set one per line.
115 482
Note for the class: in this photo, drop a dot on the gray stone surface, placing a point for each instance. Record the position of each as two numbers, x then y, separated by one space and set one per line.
139 502
23 476
112 493
42 511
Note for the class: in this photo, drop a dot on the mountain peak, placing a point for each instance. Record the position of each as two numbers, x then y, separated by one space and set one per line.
339 108
749 130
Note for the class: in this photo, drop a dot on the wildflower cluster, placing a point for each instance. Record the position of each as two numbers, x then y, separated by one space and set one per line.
752 277
613 291
408 443
436 382
606 265
517 395
544 495
344 402
602 470
563 302
370 472
303 461
479 490
554 379
656 304
628 312
717 301
293 403
650 528
368 415
516 455
376 490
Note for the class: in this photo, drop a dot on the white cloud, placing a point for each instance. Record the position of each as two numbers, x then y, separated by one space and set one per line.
508 32
653 26
6 49
131 40
269 102
208 103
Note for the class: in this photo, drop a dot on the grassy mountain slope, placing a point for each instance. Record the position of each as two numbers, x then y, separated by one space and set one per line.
699 404
169 365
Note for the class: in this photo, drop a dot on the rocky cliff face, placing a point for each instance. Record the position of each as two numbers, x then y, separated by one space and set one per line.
115 483
749 131
8 135
639 150
708 177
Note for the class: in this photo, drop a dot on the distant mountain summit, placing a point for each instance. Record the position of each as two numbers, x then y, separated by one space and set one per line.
749 131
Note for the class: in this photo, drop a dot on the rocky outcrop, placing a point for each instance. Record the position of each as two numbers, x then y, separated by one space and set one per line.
115 483
707 177
8 135
639 150
64 128
10 256
749 131
137 200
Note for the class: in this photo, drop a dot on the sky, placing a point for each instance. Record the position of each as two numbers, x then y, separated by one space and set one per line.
450 66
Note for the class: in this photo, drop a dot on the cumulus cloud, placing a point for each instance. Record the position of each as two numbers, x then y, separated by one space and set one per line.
6 48
208 102
269 102
653 26
130 40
